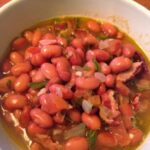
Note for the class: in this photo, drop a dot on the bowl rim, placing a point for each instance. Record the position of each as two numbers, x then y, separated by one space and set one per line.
132 3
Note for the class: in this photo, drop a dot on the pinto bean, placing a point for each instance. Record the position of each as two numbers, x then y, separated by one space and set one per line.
73 56
15 101
28 35
87 83
76 143
75 115
77 43
128 50
91 121
50 51
62 41
93 26
37 59
6 66
16 57
100 55
106 139
63 68
6 83
109 29
120 64
122 88
105 68
33 129
20 68
41 118
90 40
50 72
110 80
37 35
136 136
61 91
21 83
37 76
19 43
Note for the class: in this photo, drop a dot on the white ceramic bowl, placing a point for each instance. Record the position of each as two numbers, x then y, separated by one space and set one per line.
18 15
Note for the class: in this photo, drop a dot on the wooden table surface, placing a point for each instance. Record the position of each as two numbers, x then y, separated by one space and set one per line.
145 3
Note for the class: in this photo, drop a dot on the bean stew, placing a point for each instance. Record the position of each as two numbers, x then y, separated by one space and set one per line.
75 83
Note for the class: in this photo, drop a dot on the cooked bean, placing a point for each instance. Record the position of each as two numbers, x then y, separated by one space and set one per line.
33 129
49 71
22 83
128 50
76 143
37 76
87 83
93 26
37 59
41 118
77 43
20 68
19 43
106 139
28 35
75 115
136 136
6 84
6 66
63 68
105 68
100 55
110 80
16 57
109 29
49 51
62 41
15 101
91 121
120 64
36 37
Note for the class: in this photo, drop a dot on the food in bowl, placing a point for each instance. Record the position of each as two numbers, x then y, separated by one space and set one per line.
76 83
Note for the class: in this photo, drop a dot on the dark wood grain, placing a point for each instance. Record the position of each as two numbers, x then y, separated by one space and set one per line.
145 3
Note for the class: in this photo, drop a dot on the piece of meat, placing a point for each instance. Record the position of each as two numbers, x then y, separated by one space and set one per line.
109 107
131 73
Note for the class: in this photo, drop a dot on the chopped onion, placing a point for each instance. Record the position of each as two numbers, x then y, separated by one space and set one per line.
103 44
59 92
47 42
79 73
87 106
100 76
41 92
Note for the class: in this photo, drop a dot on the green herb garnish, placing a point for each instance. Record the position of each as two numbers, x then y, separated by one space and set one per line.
86 68
91 136
102 37
37 85
97 67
